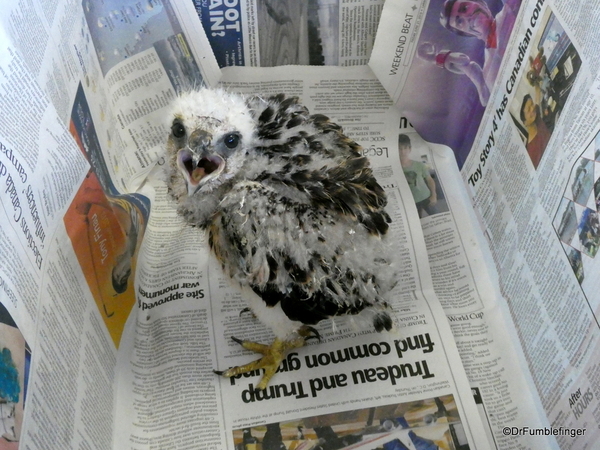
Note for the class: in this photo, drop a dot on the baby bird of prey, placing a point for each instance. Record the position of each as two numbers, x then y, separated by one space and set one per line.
292 211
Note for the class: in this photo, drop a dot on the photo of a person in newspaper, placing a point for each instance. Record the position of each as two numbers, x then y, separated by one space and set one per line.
589 232
429 424
15 359
426 191
566 223
459 52
473 18
538 132
10 391
545 86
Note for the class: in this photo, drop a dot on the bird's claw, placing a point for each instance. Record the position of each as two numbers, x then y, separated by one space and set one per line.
273 355
247 310
308 332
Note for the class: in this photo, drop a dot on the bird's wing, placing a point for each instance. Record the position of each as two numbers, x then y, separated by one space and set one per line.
310 156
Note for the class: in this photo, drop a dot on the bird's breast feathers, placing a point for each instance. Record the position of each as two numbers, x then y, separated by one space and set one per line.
283 247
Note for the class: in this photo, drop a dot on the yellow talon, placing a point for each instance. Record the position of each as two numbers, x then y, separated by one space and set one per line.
273 355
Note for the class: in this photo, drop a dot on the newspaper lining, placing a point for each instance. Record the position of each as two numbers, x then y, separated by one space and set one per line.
124 364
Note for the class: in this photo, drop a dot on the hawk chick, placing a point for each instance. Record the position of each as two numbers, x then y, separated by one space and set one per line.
291 208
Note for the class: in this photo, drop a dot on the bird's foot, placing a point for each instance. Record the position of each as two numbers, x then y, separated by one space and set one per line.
273 354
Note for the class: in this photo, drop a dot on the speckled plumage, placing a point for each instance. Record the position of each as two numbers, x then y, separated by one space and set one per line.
292 211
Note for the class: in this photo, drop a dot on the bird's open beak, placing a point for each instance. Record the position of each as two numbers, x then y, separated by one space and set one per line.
198 169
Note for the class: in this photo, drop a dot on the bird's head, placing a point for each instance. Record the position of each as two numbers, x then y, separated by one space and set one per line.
211 131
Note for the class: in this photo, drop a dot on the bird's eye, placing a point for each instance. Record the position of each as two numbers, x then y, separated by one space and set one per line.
231 140
178 130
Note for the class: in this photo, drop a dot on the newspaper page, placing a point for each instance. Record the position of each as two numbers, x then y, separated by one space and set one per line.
270 33
31 139
32 202
471 299
84 83
528 166
356 388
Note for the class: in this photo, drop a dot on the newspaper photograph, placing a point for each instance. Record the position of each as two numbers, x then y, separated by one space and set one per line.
267 33
440 64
